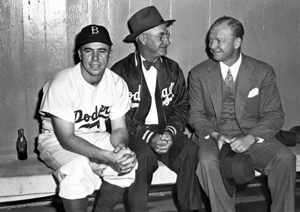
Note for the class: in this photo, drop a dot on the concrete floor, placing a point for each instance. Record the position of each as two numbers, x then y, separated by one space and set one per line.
247 200
157 204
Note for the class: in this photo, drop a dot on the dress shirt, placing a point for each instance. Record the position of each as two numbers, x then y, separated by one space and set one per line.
234 68
151 78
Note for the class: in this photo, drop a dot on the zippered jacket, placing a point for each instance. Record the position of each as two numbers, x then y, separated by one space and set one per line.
171 99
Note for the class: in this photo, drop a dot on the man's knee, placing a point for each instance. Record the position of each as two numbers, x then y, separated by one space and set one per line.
286 157
147 159
208 160
76 180
183 145
143 150
192 148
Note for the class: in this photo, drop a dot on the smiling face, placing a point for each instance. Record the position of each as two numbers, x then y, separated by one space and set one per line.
94 58
223 45
154 42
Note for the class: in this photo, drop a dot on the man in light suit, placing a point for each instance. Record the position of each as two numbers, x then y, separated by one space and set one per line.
234 99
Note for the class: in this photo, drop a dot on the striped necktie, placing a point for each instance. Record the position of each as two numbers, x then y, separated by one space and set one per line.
229 79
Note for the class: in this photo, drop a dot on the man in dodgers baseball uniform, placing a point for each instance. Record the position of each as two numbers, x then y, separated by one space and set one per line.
74 141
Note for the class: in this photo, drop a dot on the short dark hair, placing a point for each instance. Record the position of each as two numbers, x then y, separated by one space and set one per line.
235 25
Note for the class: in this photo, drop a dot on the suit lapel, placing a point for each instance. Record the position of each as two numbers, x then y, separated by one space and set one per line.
244 85
214 84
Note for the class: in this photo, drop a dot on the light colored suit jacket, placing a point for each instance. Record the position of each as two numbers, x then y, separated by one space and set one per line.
258 106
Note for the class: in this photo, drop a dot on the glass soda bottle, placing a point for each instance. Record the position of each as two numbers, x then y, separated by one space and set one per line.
21 145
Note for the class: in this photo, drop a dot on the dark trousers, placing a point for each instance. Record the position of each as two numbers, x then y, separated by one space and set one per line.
182 158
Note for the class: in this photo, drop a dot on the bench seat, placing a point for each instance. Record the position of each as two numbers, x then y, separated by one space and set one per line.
29 179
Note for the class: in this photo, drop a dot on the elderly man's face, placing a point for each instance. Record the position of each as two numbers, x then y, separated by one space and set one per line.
156 42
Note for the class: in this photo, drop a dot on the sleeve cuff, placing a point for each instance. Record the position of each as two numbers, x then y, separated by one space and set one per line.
258 140
148 136
171 129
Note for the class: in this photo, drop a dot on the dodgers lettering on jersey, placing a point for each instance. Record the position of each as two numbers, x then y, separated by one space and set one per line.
135 98
167 96
93 120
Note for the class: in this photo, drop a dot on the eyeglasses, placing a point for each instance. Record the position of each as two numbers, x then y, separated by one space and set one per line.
161 37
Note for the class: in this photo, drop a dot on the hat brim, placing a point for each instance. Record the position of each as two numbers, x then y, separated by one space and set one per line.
224 151
133 35
295 129
92 39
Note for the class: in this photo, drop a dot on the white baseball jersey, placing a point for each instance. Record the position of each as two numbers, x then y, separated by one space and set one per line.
69 97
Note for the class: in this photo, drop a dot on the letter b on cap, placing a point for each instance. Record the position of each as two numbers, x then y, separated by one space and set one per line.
94 30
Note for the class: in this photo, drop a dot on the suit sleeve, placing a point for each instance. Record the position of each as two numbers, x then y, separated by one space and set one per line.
197 114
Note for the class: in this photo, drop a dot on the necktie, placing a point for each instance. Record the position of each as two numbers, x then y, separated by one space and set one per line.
148 64
229 79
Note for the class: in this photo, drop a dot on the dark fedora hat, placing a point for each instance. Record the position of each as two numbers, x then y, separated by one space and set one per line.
236 168
288 138
143 20
296 129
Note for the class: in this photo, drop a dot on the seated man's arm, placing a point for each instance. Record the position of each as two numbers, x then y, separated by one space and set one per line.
119 133
200 106
270 108
64 132
177 120
119 139
219 139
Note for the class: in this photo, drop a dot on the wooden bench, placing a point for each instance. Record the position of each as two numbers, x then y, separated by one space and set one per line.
29 179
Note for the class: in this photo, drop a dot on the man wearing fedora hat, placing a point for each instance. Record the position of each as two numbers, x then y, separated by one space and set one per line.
158 111
74 141
235 103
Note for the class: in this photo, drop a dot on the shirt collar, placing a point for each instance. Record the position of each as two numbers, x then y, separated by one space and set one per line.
234 68
142 59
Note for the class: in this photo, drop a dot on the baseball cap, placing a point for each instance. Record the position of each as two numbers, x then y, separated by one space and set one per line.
93 33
